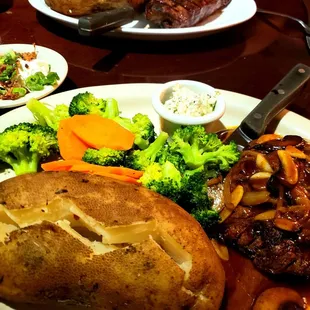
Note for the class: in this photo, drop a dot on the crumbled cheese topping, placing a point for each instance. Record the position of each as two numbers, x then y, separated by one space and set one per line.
184 101
28 68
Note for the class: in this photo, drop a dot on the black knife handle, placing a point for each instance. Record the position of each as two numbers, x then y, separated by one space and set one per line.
254 125
102 22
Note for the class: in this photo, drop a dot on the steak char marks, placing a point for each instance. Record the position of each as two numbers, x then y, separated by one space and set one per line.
181 13
270 248
273 232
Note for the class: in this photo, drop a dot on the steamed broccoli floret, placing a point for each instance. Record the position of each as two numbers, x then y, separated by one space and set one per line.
194 190
141 126
22 146
166 154
104 157
188 190
224 157
87 103
46 116
194 197
199 148
141 159
164 179
206 218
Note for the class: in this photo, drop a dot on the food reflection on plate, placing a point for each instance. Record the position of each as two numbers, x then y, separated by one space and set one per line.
256 201
166 14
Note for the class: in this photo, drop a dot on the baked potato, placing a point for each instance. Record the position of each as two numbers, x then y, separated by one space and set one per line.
92 241
82 7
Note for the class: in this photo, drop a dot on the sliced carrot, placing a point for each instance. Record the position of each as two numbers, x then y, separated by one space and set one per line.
86 169
60 165
66 165
98 132
70 146
136 174
119 177
108 169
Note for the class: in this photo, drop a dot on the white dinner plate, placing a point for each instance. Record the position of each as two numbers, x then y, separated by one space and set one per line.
238 11
136 98
58 65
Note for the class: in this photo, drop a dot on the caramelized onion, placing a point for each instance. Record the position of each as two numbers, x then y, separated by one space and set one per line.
227 192
249 153
263 164
236 197
267 137
224 214
295 152
279 144
276 298
215 181
259 180
265 216
286 224
299 194
289 167
221 250
255 198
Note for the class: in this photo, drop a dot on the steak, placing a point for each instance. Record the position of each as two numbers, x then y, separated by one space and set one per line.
181 13
271 249
270 223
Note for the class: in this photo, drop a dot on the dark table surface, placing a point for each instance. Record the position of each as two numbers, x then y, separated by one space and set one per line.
250 58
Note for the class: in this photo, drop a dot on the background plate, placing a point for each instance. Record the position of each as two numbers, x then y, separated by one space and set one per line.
238 11
58 65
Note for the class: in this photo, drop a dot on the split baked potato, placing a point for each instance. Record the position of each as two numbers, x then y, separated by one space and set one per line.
91 241
82 7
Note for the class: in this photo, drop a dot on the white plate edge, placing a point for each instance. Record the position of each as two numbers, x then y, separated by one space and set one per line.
43 8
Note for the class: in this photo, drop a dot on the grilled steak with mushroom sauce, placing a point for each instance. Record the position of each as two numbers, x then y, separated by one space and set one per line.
267 207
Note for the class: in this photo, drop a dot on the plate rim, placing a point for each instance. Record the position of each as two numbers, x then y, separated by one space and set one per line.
7 104
287 113
284 127
46 10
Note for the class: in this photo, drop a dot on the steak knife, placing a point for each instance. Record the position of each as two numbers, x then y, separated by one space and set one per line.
102 22
255 123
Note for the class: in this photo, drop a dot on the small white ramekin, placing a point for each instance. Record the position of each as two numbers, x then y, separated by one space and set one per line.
170 121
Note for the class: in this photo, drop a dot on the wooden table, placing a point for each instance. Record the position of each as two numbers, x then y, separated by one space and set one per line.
250 58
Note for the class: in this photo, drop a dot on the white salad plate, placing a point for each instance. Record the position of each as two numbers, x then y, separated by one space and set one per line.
237 12
137 98
55 60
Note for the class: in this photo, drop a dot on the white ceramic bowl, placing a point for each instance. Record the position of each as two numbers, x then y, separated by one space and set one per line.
170 121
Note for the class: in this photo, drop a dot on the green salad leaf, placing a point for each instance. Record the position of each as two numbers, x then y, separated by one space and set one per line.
9 58
21 91
38 80
8 73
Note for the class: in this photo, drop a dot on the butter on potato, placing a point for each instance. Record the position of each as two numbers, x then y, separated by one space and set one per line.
97 242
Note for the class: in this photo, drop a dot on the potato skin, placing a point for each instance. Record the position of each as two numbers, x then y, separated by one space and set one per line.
83 7
43 263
